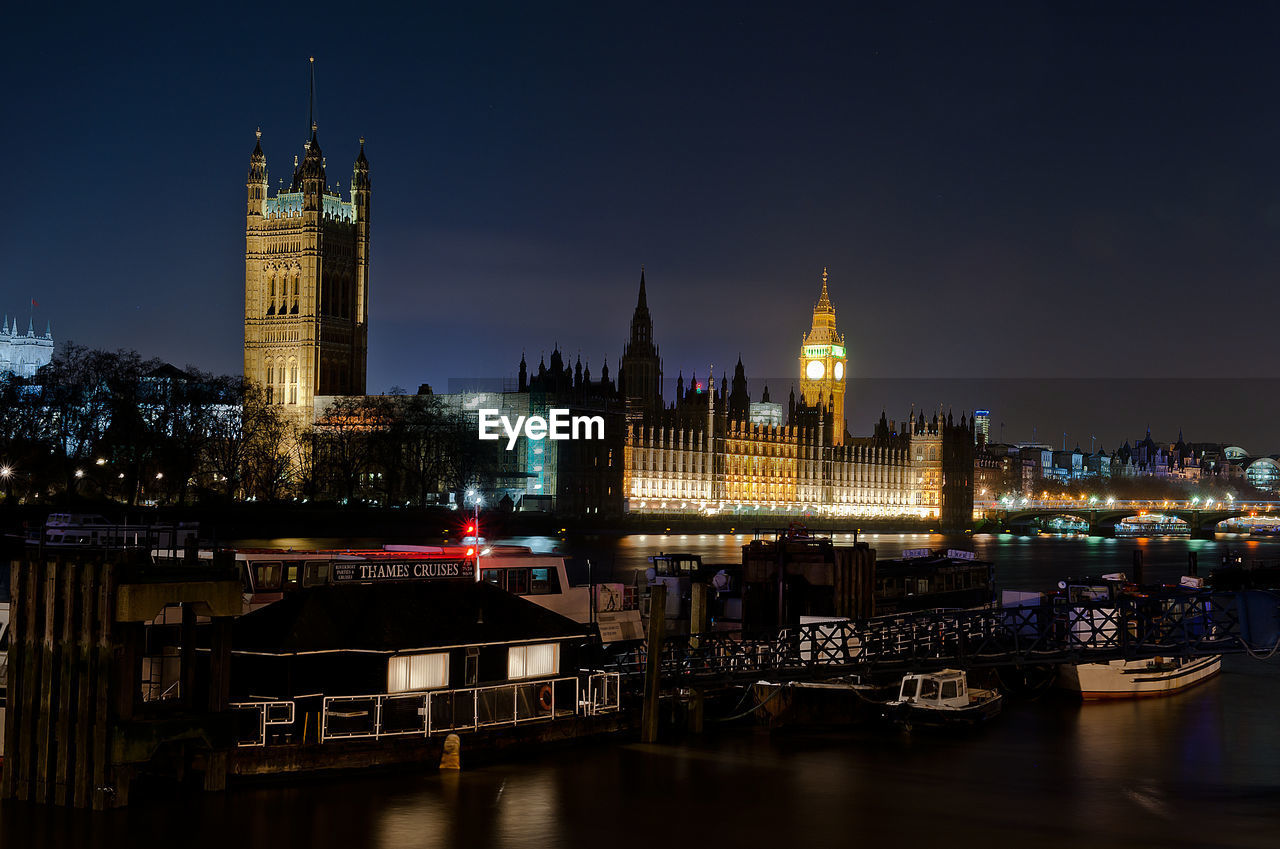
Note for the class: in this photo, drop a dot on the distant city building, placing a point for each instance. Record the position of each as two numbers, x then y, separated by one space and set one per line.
1264 474
981 427
306 296
23 355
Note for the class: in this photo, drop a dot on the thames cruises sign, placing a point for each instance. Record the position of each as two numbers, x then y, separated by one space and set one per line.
360 571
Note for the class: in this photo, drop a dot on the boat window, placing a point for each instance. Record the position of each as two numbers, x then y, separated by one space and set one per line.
291 575
544 580
315 573
533 661
494 576
268 577
928 689
909 688
922 585
410 672
518 581
948 689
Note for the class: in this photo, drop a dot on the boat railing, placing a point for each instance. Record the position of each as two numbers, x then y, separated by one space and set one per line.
424 713
257 717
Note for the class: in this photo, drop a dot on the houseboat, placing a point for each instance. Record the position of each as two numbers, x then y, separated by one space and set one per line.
335 677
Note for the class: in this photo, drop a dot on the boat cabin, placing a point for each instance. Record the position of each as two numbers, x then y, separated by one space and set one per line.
948 688
269 575
922 579
383 638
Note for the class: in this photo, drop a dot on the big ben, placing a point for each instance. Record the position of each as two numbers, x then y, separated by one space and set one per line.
823 363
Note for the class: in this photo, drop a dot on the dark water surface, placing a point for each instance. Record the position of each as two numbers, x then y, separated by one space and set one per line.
1197 769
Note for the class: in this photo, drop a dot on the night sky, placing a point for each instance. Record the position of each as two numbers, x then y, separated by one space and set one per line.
1007 191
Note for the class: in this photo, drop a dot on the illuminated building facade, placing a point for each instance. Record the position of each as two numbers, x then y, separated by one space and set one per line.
306 295
21 354
715 450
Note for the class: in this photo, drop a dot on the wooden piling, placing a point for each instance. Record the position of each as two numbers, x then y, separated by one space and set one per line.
102 795
48 679
66 654
83 775
653 663
697 625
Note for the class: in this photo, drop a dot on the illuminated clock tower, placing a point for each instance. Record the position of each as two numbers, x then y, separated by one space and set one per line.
823 363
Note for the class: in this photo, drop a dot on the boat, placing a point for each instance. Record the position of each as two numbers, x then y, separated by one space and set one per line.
1128 679
942 698
269 574
923 579
90 530
1090 614
678 572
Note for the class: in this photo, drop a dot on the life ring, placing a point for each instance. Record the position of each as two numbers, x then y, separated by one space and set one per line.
545 699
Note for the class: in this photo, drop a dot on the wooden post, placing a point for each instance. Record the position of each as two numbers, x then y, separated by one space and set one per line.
66 676
83 781
102 691
697 625
697 612
653 663
187 662
48 678
219 664
16 676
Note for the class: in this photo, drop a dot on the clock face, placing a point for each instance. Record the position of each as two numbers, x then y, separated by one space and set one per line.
839 371
815 370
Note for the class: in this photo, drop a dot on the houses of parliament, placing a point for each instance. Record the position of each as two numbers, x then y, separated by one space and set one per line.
713 450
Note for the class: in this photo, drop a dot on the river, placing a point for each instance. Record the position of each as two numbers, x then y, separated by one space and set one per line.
1198 769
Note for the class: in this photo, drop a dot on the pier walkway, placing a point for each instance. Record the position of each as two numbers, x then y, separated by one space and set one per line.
1176 624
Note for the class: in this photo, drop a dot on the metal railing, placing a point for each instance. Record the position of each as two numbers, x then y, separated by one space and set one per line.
423 713
259 716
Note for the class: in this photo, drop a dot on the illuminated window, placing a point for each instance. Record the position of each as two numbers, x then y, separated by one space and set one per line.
409 673
533 661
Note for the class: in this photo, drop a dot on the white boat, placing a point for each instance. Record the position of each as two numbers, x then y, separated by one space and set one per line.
942 698
89 530
268 574
1127 679
1092 617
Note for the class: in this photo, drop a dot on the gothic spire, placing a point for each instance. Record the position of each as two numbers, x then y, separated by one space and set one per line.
824 301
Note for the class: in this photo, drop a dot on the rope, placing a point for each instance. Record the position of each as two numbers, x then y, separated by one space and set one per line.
1260 655
756 706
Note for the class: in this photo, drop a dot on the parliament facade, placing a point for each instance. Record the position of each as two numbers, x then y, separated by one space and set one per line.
712 450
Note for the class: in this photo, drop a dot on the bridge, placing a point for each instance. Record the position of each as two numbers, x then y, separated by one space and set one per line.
1202 515
1175 623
